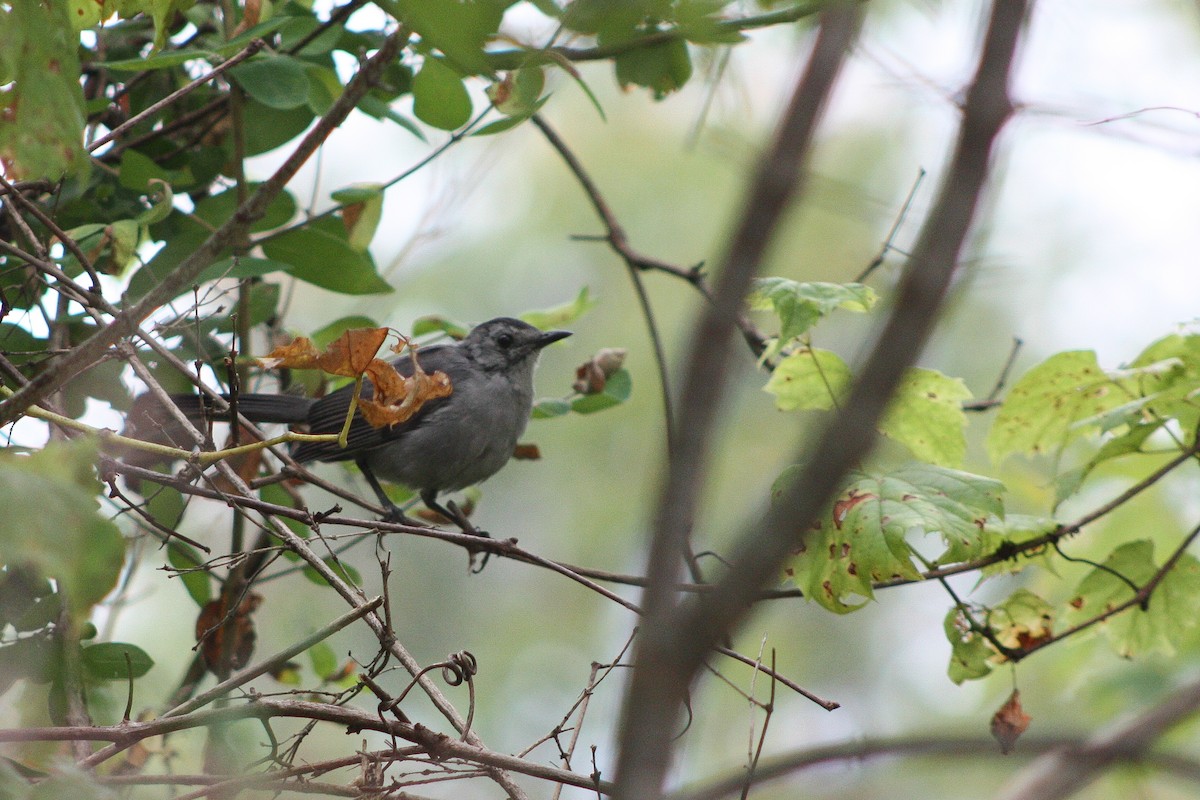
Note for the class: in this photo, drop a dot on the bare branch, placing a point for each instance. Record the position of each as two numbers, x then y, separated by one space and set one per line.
661 677
676 639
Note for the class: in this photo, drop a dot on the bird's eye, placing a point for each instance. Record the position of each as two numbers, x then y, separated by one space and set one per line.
505 340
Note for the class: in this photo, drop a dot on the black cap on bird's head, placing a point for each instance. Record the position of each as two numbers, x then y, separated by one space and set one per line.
502 342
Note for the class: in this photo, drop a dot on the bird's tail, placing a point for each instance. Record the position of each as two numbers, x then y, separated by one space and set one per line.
254 407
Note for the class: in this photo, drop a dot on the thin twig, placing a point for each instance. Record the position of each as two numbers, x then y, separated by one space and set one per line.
992 400
887 245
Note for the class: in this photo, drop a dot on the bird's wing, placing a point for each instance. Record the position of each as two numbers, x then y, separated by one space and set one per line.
328 414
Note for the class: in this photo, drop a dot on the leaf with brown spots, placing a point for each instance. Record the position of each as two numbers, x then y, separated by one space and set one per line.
1067 396
862 537
1169 619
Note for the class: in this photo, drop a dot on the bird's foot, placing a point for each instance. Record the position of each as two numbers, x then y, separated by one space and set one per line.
466 526
393 513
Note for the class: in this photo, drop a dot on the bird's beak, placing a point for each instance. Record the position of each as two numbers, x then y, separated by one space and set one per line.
550 337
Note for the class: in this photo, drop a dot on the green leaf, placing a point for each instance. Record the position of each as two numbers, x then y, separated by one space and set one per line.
862 537
616 391
19 345
241 267
184 558
324 661
322 337
927 417
1016 529
138 169
328 261
362 211
42 111
263 305
1172 613
1068 483
508 123
518 94
548 318
439 97
436 324
809 379
459 28
86 14
662 68
168 60
799 306
1041 412
163 12
52 522
1173 395
107 661
551 407
268 128
970 653
276 81
162 200
700 23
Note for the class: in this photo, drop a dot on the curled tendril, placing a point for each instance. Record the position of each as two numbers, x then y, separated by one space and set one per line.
459 667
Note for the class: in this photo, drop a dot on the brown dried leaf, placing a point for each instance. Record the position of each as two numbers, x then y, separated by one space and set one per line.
1009 722
351 353
397 397
527 452
210 631
300 353
592 375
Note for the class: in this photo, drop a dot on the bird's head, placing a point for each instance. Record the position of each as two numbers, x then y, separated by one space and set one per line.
505 343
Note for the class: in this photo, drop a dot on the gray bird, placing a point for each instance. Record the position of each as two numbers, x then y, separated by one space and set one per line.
451 442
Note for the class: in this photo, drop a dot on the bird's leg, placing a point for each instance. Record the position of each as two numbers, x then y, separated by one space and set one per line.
452 512
391 511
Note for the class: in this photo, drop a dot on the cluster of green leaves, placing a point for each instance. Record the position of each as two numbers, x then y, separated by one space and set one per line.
61 558
876 530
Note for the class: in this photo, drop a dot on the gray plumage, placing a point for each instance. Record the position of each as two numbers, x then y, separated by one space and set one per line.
452 442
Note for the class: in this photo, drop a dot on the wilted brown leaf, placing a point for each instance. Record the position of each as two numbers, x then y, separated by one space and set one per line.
300 353
348 355
592 375
527 452
1009 722
397 397
351 353
210 631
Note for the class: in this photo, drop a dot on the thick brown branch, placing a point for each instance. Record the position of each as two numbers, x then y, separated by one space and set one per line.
677 639
662 674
